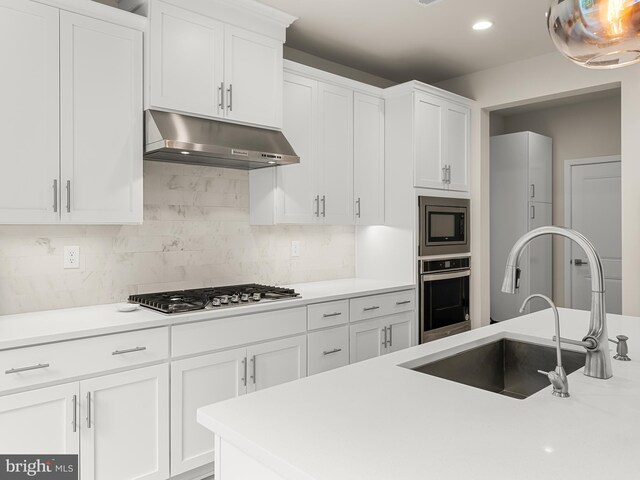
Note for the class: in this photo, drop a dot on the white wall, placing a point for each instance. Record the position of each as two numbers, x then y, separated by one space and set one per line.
572 129
542 78
196 233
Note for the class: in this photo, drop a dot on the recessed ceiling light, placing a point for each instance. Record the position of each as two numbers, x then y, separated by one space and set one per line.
482 25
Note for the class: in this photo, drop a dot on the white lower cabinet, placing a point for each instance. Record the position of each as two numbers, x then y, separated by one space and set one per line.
125 425
40 421
200 381
379 336
328 349
119 423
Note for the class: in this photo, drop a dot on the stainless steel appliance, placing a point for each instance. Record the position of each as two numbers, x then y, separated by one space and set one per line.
444 226
444 297
173 137
180 301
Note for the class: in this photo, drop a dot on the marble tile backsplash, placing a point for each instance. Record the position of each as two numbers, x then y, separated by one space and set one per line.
195 233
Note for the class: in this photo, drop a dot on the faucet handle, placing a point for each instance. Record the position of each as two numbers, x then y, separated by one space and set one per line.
623 349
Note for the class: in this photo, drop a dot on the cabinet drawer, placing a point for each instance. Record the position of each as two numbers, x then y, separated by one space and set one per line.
328 349
328 314
24 367
207 336
381 305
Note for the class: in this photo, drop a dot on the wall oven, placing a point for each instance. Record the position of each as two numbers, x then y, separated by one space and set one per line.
444 226
444 297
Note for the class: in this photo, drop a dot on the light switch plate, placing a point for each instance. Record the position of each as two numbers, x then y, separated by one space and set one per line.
71 257
295 248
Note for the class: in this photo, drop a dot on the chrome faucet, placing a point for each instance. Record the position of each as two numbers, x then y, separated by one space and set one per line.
596 342
557 377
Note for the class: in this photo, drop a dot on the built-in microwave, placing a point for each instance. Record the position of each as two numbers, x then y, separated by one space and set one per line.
444 226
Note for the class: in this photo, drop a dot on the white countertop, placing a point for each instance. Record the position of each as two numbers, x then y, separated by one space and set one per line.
375 420
57 325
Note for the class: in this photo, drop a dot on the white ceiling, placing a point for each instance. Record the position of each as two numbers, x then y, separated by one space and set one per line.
402 40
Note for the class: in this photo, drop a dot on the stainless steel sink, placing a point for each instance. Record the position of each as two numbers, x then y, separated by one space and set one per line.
508 367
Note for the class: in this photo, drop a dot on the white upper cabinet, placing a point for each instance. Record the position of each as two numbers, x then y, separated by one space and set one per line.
186 60
334 168
72 117
338 133
217 60
442 143
29 124
101 113
368 159
253 77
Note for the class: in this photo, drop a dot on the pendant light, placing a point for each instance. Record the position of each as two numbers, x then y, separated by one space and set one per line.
596 33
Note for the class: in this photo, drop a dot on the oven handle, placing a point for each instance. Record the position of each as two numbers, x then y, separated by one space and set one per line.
445 276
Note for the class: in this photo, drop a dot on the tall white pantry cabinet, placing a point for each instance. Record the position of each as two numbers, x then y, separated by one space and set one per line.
521 166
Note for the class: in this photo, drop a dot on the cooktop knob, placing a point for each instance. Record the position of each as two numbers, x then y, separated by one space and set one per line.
215 302
256 297
224 300
235 298
244 297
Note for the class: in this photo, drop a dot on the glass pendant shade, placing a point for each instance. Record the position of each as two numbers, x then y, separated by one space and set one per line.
596 33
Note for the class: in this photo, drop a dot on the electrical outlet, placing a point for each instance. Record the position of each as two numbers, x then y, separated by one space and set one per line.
71 257
295 248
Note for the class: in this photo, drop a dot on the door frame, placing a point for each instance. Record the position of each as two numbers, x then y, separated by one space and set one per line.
567 213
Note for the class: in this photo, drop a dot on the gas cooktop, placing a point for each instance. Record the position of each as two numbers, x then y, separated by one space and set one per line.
211 298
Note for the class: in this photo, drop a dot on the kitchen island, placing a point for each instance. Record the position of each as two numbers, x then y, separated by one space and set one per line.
378 420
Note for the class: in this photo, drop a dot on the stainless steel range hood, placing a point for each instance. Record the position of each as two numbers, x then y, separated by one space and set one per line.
172 137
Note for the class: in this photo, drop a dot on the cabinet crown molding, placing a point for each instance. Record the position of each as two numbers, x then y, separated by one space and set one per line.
100 12
417 86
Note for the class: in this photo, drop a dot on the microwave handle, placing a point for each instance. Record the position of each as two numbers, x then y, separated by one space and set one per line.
445 276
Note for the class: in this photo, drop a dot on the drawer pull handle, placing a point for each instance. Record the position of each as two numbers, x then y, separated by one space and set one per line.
335 350
404 302
26 369
368 309
334 314
130 350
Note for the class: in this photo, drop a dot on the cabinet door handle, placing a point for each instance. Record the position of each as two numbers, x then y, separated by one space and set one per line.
334 314
391 335
253 369
358 207
324 206
68 196
335 350
74 401
317 200
221 93
129 350
368 309
26 369
230 101
88 409
55 195
244 369
444 174
533 191
449 174
384 344
404 302
533 211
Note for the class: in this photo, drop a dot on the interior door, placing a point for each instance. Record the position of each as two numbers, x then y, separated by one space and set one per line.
196 382
29 123
40 421
125 425
253 77
273 363
101 112
596 213
335 162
